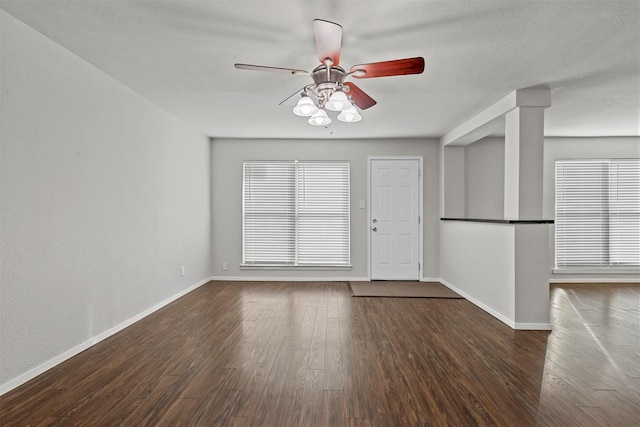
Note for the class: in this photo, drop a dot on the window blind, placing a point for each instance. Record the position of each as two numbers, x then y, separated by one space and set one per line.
598 213
296 213
269 212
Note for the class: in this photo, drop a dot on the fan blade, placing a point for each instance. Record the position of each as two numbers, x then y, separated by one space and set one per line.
270 69
328 40
397 67
361 99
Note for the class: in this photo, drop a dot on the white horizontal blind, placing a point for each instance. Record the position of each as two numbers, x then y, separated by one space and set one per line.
624 208
323 213
296 213
269 212
598 213
581 214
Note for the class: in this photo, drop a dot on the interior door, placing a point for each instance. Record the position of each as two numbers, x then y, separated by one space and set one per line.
394 215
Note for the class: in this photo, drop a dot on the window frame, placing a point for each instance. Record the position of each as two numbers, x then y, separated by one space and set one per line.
295 264
608 211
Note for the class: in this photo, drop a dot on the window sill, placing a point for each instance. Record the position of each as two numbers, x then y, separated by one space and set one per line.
596 270
293 267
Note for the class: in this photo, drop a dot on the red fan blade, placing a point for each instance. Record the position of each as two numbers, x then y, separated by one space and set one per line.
398 67
328 40
271 69
361 99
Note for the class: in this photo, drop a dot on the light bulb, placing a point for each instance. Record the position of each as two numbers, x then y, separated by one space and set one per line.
350 116
320 118
338 102
305 107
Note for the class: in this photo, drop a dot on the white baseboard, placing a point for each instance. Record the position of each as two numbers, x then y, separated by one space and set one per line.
501 317
32 373
289 279
631 279
533 326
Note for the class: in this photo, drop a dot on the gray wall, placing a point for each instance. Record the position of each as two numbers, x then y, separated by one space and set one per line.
484 179
103 197
227 158
484 169
473 180
583 148
481 167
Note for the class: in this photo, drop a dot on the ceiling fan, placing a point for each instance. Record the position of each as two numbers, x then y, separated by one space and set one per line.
329 90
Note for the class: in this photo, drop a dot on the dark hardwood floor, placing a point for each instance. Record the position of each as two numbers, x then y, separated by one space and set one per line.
289 354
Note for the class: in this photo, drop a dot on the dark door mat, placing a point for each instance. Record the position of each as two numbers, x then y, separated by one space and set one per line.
402 289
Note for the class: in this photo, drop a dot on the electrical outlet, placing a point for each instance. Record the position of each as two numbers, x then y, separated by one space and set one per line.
182 270
361 204
225 267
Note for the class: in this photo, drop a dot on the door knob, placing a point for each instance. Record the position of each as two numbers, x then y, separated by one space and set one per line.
375 229
375 220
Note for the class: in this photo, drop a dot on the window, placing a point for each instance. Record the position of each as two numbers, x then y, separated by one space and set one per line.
598 213
296 213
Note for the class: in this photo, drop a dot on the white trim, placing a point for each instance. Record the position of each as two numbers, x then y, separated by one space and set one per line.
501 317
483 306
289 279
602 241
603 270
533 326
368 225
294 267
317 179
422 175
488 120
597 280
32 373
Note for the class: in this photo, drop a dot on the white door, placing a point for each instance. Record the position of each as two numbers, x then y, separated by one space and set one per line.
395 222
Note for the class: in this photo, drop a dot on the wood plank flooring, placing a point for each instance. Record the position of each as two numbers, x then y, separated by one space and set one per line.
307 354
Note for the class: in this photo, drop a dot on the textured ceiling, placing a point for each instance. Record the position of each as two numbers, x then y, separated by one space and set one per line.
180 55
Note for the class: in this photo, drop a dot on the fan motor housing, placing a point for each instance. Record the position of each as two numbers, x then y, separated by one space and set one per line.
335 75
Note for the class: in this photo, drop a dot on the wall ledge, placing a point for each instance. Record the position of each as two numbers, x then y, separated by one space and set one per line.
501 221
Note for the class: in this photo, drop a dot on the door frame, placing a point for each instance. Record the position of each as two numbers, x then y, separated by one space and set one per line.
370 159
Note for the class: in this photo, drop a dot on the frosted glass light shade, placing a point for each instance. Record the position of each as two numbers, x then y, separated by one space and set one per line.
350 116
305 107
320 118
338 102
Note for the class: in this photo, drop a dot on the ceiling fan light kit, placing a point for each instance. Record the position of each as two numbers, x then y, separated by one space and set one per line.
305 107
320 118
338 101
329 90
350 115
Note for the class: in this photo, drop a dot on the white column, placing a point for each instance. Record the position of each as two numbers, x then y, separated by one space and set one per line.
522 269
523 163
